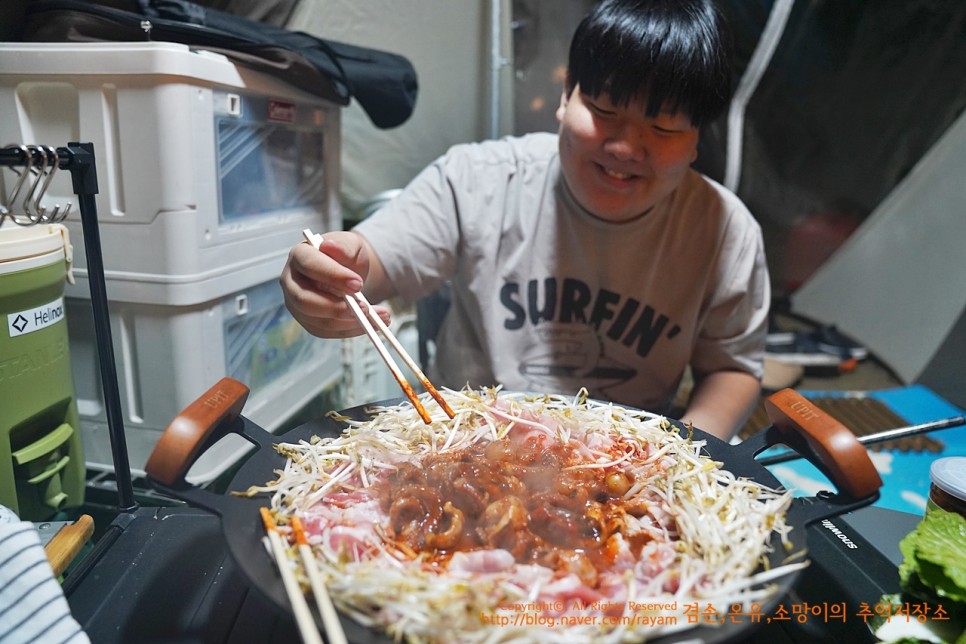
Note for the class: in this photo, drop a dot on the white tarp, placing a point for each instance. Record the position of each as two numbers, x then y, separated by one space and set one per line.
899 282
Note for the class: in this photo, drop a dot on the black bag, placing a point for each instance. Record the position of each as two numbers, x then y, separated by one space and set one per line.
384 83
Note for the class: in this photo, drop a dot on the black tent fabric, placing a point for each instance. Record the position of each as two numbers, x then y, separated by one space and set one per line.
384 84
855 94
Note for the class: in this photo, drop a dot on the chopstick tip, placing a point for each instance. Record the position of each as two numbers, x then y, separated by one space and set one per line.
267 519
312 238
299 531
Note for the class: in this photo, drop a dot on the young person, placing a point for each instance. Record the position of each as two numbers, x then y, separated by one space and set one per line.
592 258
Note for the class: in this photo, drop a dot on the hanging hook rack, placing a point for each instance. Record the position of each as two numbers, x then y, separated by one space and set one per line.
78 158
18 186
40 162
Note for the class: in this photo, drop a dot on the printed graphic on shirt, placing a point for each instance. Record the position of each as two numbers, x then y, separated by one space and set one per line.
570 356
573 323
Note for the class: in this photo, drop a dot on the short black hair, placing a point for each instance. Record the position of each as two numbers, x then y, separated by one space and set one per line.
671 53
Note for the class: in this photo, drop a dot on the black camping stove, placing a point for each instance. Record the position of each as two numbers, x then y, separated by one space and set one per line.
165 575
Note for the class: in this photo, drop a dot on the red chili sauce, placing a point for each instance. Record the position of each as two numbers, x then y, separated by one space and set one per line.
517 496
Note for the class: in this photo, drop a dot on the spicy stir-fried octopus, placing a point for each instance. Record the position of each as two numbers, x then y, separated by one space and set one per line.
518 496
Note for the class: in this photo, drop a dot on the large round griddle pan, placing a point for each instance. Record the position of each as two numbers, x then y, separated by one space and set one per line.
795 422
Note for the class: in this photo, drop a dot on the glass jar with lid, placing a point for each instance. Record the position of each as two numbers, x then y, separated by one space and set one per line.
948 488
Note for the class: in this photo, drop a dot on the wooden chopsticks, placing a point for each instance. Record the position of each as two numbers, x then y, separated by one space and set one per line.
303 616
367 318
300 608
330 619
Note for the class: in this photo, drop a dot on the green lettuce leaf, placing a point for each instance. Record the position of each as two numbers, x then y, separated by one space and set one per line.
935 557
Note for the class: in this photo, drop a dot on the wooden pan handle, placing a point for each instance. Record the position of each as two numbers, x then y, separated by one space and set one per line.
181 443
847 462
68 541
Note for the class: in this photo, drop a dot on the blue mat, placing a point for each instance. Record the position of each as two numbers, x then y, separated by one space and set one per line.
905 476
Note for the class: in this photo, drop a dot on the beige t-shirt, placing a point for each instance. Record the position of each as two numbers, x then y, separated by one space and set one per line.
547 298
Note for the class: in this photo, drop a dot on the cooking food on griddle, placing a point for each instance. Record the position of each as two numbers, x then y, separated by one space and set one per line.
535 516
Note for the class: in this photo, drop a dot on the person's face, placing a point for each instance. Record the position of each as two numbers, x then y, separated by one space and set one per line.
617 161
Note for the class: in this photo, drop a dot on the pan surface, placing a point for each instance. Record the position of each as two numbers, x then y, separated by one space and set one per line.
244 531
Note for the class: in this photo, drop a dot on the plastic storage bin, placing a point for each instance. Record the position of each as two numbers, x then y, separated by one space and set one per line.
41 459
207 174
206 170
166 355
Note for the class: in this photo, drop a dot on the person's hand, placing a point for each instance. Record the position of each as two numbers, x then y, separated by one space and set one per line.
315 281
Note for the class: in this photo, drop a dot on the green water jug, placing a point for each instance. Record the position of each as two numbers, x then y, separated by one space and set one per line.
41 459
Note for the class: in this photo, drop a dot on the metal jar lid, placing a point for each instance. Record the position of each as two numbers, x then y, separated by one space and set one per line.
949 475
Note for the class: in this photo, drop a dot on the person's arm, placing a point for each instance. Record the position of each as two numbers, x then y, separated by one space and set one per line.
722 401
33 605
315 281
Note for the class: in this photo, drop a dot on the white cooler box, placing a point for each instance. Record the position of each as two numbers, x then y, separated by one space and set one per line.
207 174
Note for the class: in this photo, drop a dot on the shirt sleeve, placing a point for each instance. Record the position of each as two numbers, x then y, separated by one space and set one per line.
416 235
733 334
32 604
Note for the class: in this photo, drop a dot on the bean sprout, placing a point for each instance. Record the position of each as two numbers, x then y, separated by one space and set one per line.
708 533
